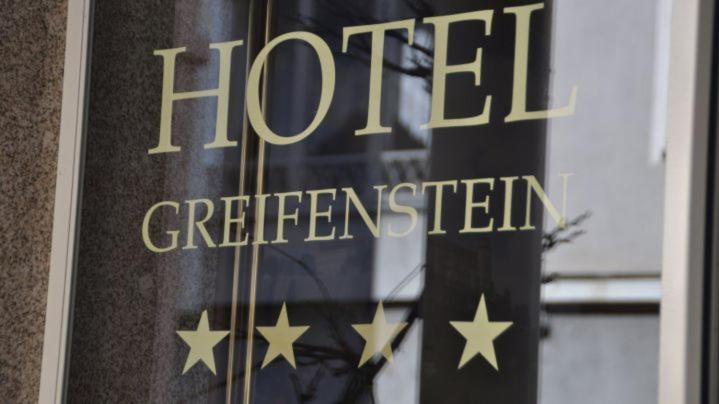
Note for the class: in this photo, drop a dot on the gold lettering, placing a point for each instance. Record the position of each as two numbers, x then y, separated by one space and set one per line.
377 32
442 69
404 209
470 205
534 186
507 219
351 196
521 59
260 204
254 106
438 194
314 214
200 224
169 96
282 215
243 201
146 228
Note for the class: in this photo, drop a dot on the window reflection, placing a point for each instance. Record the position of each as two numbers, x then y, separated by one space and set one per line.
581 300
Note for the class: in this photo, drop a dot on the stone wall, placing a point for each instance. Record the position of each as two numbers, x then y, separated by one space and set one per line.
31 70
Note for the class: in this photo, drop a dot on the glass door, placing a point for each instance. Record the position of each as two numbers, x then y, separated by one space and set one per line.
413 201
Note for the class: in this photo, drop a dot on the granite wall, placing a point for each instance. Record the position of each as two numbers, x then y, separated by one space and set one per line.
32 48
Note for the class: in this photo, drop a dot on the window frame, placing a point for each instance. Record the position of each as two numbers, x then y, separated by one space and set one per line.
685 207
67 202
684 257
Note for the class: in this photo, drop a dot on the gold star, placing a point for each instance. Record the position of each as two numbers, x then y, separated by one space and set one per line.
201 342
480 335
281 337
378 336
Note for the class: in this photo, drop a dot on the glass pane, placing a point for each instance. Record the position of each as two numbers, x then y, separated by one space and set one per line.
412 201
130 301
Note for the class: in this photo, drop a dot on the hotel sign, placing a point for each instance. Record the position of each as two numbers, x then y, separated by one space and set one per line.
315 201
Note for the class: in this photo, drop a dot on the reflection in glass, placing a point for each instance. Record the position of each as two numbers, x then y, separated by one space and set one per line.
386 306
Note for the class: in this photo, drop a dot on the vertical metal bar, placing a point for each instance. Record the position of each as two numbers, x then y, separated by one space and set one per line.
234 310
685 203
67 202
710 332
256 247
